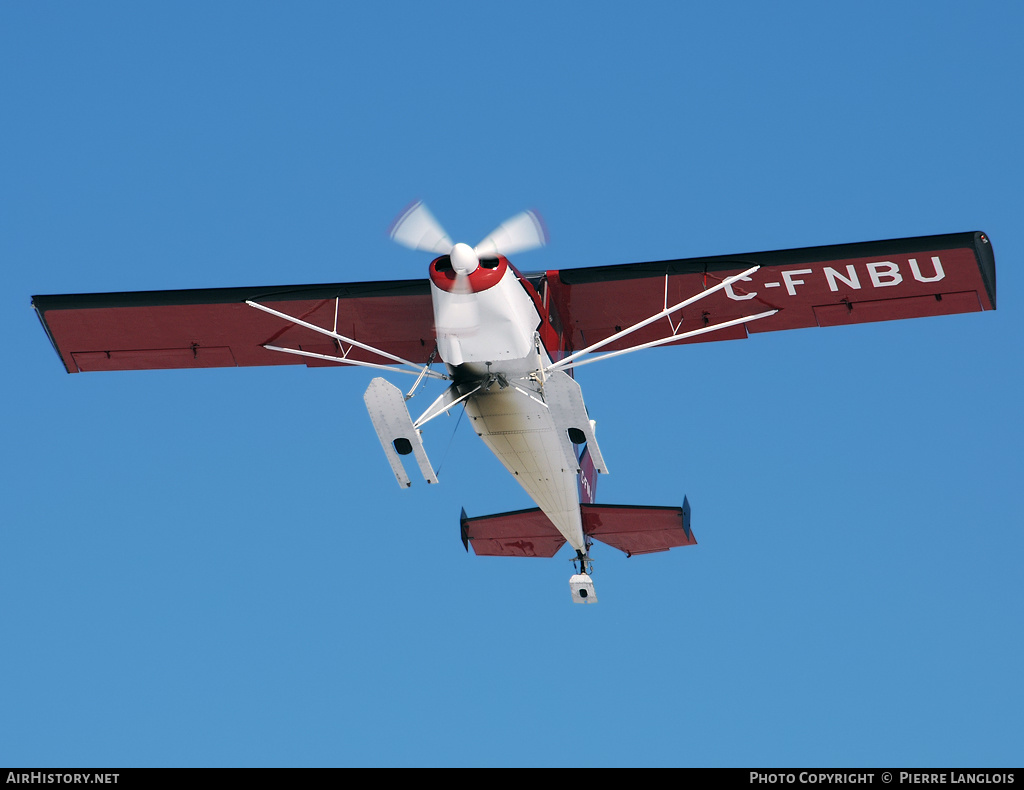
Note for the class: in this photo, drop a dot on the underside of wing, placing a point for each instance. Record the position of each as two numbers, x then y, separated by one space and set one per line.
220 327
813 286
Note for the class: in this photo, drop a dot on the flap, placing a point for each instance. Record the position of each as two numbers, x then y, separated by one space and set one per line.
398 436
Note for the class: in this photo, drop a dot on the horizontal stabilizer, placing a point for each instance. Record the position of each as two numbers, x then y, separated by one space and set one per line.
398 436
522 533
634 529
639 529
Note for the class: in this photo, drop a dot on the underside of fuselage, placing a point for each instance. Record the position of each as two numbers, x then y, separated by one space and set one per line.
516 423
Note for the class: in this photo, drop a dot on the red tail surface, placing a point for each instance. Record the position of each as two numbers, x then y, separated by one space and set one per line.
634 529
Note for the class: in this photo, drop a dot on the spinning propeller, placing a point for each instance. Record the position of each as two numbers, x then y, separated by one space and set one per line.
417 229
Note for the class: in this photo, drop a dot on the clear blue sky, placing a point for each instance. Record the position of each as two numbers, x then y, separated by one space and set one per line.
217 568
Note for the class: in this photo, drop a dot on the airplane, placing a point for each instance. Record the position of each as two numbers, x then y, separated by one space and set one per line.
508 343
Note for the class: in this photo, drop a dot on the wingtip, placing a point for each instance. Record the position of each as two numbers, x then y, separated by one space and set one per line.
686 519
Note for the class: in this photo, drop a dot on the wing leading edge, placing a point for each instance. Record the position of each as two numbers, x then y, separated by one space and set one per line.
216 327
812 286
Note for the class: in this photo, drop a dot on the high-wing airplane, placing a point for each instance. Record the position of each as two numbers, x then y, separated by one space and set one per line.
508 342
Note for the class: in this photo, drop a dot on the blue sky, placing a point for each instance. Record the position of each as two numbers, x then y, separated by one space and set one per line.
217 568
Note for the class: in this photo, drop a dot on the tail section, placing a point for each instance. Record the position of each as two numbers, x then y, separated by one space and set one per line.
633 529
587 477
521 533
639 529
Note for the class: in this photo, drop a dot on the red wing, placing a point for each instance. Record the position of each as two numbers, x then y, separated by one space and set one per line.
813 286
216 328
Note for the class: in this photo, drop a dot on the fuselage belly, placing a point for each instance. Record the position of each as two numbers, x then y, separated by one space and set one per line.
521 432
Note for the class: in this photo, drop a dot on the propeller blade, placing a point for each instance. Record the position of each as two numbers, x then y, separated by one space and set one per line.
461 285
523 232
416 228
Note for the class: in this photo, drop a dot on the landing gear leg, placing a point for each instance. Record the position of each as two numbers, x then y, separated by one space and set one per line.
581 585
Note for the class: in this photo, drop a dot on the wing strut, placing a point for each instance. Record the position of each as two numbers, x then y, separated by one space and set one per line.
571 360
418 370
671 339
450 397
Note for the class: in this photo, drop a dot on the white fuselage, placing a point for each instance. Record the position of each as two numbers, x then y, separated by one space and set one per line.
496 324
490 336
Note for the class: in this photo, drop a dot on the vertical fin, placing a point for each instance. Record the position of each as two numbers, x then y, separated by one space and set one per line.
587 478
